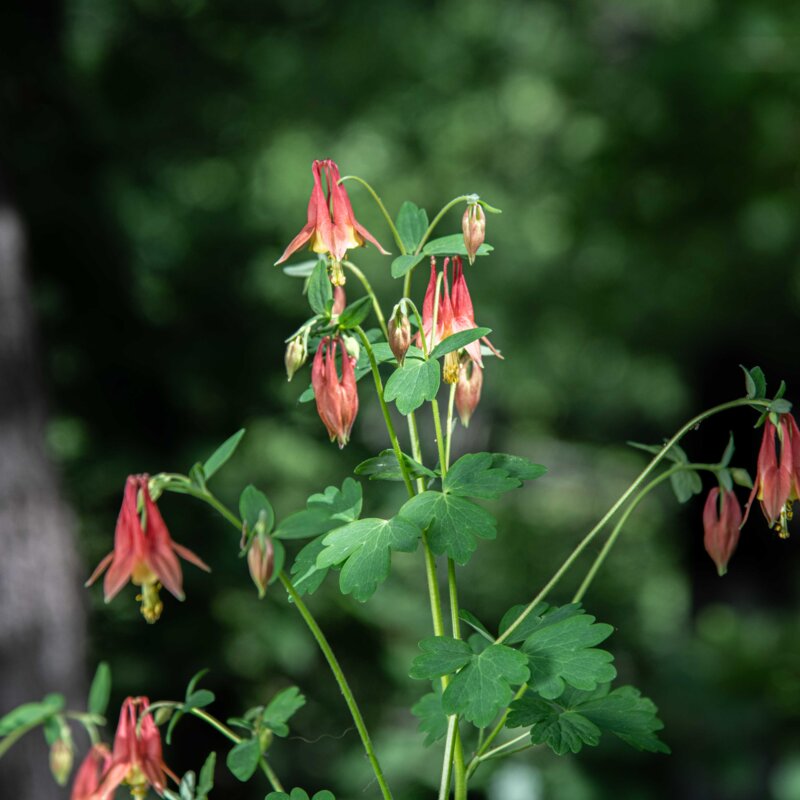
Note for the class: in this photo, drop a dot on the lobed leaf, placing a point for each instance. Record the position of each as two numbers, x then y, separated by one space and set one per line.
281 708
432 719
412 384
243 758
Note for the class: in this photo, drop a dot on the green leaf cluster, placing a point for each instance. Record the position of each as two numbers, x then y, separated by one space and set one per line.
386 467
300 794
194 698
482 684
579 718
191 788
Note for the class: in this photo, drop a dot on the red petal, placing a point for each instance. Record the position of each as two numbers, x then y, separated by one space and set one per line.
160 555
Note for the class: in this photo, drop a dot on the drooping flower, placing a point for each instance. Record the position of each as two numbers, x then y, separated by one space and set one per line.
468 390
331 227
62 755
721 528
137 759
144 552
261 562
399 333
473 225
295 356
337 398
775 483
90 773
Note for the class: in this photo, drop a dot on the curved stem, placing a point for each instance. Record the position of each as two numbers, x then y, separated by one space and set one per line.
368 288
376 375
323 644
421 330
621 501
381 206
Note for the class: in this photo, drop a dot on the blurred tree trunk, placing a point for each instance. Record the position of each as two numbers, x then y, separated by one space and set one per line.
42 619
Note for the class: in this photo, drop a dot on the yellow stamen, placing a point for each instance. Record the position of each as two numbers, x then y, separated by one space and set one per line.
451 368
337 273
151 602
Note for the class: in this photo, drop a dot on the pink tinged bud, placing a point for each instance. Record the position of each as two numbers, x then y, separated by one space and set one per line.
144 552
295 357
261 562
331 227
399 334
61 756
339 300
468 391
90 773
337 399
775 483
721 529
473 224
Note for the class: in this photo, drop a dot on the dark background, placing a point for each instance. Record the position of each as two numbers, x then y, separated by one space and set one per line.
645 156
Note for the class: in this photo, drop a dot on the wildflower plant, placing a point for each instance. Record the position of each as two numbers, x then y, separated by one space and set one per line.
541 675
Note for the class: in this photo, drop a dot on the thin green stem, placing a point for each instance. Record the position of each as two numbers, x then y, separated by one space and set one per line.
454 202
621 501
437 424
449 436
344 686
323 645
419 326
368 288
381 206
384 408
16 735
601 556
499 750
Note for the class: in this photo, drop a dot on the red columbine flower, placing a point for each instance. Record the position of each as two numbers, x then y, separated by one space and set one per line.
775 484
332 227
144 552
137 758
90 773
468 390
721 527
337 399
455 314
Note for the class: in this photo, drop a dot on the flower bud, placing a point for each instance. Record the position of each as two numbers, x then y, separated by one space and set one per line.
295 357
261 562
339 301
351 346
721 529
468 391
399 333
473 224
61 755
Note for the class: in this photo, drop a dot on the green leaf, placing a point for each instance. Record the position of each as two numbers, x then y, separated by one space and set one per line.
343 504
385 467
31 713
475 623
432 719
518 467
355 313
755 382
221 455
453 523
742 477
384 355
458 340
306 524
474 475
320 294
686 483
412 222
365 547
100 690
252 503
302 269
541 614
243 759
187 785
577 718
483 687
281 708
728 454
562 652
412 384
300 794
193 698
780 406
402 264
306 576
676 454
206 782
199 699
452 246
441 655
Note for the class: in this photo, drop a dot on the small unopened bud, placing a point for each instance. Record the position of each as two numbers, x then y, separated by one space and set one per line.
450 369
261 562
351 346
61 756
163 715
473 223
295 357
339 301
468 391
399 333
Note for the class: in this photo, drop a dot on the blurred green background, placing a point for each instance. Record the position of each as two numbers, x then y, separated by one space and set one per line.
645 156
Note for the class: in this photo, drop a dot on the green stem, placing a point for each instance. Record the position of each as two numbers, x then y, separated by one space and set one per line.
499 750
16 735
384 408
323 644
368 288
621 501
381 206
336 668
449 436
